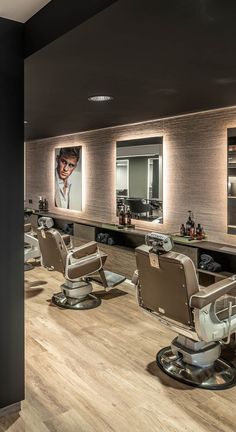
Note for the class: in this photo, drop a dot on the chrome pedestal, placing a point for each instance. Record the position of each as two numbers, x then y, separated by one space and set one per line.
76 295
217 376
28 266
88 302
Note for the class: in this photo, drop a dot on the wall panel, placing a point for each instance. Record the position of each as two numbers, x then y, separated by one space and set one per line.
195 169
11 216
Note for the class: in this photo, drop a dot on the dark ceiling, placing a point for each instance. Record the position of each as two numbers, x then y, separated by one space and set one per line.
155 57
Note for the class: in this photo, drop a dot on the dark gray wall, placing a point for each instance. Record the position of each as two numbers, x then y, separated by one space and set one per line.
56 18
11 215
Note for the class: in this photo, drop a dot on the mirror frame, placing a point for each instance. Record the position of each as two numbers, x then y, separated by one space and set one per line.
138 142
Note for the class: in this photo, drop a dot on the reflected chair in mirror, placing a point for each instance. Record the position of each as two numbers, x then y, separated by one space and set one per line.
168 289
138 207
78 265
31 246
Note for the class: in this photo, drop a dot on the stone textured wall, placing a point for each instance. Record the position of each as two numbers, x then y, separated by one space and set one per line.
195 169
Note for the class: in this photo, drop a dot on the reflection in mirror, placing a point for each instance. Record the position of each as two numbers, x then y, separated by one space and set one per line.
139 178
122 178
232 181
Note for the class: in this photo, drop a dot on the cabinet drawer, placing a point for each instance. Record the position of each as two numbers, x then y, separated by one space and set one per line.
191 252
84 232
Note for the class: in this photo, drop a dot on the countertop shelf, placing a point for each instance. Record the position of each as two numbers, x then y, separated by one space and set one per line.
221 275
201 244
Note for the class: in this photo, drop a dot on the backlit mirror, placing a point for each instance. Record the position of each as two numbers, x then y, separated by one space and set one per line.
232 181
139 178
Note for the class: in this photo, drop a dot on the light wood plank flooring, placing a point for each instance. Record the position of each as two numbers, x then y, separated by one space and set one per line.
92 371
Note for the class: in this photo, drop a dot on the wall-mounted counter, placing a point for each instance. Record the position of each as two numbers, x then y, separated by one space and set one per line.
121 257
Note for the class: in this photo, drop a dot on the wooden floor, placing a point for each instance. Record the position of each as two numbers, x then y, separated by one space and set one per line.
92 371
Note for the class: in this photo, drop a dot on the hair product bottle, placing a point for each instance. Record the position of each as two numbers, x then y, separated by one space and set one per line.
189 223
128 216
199 232
122 216
45 205
40 205
182 230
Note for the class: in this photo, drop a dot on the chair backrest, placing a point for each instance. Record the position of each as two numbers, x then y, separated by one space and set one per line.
167 290
53 249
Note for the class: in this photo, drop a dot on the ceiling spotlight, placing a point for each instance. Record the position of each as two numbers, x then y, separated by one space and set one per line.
100 98
25 122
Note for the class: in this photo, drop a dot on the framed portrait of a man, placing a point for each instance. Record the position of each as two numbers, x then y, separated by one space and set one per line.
68 178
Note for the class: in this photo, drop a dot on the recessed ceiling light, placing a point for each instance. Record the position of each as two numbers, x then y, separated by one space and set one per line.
100 98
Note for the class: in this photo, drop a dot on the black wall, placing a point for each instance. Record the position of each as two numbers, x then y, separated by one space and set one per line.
11 213
57 18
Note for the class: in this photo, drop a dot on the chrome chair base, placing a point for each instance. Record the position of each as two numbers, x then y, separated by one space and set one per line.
88 302
220 375
28 266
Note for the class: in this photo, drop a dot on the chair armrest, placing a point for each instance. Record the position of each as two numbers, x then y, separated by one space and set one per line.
82 251
67 239
211 293
83 261
83 267
27 227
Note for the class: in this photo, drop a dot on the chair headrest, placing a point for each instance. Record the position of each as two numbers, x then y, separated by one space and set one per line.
45 222
160 243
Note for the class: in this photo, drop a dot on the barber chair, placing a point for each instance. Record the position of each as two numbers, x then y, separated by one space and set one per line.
31 249
168 289
79 266
138 207
46 223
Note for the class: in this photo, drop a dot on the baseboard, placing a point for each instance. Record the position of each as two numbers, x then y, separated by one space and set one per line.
10 409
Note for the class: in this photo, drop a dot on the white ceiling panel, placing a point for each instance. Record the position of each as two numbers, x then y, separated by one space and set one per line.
20 10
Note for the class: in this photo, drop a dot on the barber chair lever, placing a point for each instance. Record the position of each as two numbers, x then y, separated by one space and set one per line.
230 311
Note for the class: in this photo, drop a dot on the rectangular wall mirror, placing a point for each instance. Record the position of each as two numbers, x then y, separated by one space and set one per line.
139 178
232 181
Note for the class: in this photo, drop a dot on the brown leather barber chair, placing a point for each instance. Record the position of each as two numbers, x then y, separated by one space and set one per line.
78 265
168 289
